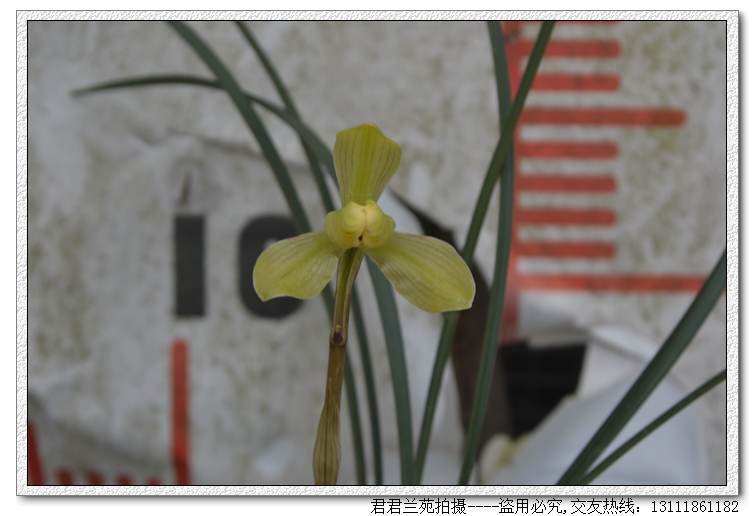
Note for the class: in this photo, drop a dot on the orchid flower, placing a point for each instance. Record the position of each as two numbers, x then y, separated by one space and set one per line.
426 271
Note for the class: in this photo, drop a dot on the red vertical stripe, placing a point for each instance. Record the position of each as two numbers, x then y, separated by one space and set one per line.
180 411
35 474
94 478
123 480
64 477
509 323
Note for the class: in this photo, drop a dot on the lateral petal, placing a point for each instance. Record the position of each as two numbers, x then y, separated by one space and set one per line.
428 272
297 267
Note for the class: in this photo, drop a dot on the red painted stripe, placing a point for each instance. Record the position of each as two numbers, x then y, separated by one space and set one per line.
64 477
94 478
652 117
152 481
572 48
180 411
510 28
576 22
36 473
566 216
538 182
567 149
613 283
539 249
576 82
123 480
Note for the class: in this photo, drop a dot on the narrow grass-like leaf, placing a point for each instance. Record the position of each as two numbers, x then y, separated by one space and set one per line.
369 380
253 122
651 427
394 343
314 165
315 143
288 102
497 162
506 141
388 312
258 129
652 375
498 287
356 425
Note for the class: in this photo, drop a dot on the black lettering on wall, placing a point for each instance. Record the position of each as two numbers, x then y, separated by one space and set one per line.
189 246
257 234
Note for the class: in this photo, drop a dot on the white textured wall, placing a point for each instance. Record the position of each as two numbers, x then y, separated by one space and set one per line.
105 171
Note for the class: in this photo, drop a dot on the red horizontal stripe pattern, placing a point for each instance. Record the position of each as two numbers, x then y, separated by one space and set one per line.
613 282
565 216
567 149
541 249
652 117
572 48
576 82
537 182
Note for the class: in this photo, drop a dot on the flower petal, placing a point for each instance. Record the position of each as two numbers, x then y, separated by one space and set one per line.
297 267
426 271
365 161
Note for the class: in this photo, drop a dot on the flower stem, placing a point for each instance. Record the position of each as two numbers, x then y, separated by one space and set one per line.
327 452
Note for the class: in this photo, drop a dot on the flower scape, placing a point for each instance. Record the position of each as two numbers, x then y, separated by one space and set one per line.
428 272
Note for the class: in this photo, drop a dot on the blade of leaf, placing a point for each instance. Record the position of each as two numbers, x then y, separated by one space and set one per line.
394 343
388 313
651 427
498 287
356 425
258 129
253 122
497 162
314 165
653 373
315 143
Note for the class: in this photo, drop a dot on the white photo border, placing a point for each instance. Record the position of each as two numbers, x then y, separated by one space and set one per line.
731 488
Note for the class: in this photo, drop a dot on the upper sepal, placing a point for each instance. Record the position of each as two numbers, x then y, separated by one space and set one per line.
365 160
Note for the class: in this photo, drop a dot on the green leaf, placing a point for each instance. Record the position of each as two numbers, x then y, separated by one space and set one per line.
388 313
509 118
369 383
288 102
356 425
394 343
253 122
364 349
651 427
652 375
313 141
498 287
227 82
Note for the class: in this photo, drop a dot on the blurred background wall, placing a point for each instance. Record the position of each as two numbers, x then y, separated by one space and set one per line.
620 215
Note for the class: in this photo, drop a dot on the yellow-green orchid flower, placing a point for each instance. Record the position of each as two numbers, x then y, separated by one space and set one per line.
426 271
